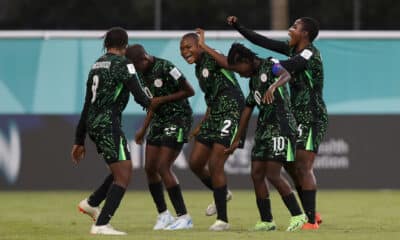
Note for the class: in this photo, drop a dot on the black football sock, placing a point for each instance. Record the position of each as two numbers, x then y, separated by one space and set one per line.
175 194
114 197
299 191
220 202
157 192
207 182
100 194
291 203
264 208
309 204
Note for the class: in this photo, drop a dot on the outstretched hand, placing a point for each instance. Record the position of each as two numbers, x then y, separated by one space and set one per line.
231 20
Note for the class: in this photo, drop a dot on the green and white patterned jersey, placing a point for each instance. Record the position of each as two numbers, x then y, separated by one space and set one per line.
306 88
213 79
278 113
110 81
161 80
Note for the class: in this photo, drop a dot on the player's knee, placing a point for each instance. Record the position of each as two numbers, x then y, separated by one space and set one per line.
304 170
122 180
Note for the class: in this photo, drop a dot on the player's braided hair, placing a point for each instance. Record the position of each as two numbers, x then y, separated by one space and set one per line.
239 54
116 37
311 26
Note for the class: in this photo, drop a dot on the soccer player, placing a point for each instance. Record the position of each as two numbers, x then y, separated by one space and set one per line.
305 65
215 132
275 134
169 130
110 80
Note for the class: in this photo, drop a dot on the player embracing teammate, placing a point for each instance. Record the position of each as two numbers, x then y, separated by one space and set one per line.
308 106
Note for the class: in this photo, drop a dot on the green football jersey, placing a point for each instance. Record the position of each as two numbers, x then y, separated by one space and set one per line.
306 88
110 81
278 113
214 79
161 80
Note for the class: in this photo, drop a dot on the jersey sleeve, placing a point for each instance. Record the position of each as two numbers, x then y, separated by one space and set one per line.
126 73
262 41
298 62
174 73
276 68
81 129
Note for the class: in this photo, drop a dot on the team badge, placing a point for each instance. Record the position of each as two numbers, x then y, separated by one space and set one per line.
205 72
263 77
158 83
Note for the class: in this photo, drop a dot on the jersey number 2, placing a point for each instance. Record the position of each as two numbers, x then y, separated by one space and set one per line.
225 129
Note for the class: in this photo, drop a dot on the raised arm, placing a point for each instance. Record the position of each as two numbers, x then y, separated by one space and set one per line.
258 39
298 62
219 58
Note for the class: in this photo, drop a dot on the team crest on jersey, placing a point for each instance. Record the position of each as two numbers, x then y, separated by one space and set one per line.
158 83
263 78
205 72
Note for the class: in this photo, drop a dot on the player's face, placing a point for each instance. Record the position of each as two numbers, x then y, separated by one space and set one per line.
244 69
143 63
296 32
190 50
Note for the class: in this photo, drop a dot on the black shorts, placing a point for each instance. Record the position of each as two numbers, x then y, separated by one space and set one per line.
111 144
223 121
310 136
172 134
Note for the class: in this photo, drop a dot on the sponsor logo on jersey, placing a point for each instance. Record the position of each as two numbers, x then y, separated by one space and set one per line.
205 72
158 83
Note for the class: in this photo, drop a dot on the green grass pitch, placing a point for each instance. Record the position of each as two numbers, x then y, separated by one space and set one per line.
53 215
